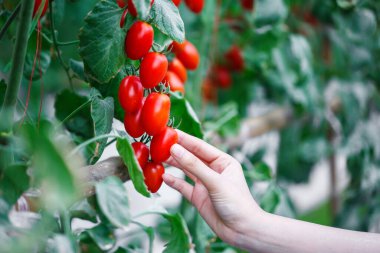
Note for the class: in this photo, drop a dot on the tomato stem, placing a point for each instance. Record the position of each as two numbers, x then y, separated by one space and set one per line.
74 112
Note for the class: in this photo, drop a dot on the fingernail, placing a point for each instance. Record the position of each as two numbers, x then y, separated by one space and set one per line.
177 151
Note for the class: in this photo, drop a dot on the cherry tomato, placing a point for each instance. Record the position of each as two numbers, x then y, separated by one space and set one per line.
37 4
155 113
235 60
176 47
121 3
222 77
248 4
141 153
177 2
123 16
139 40
189 55
177 67
153 176
132 124
161 144
131 94
153 69
195 6
132 8
209 91
174 82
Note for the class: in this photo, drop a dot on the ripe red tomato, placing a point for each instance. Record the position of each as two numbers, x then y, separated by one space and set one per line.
139 40
161 144
155 113
174 82
189 55
153 69
222 77
121 3
37 4
176 2
132 8
248 4
153 176
177 67
132 124
209 91
235 60
195 6
141 153
123 16
131 94
177 47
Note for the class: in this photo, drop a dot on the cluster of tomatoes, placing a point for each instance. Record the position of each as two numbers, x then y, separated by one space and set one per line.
145 97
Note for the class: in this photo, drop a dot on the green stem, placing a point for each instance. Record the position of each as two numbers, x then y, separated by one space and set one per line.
55 43
10 20
19 52
74 112
96 138
65 223
66 43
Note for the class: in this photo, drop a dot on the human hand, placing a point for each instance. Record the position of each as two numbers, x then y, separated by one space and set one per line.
220 192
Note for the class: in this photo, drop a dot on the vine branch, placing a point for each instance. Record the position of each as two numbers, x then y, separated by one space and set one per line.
10 20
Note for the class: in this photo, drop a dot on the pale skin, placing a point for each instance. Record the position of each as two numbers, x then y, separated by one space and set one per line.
222 197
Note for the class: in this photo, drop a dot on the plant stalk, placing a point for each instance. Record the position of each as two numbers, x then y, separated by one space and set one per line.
19 52
9 21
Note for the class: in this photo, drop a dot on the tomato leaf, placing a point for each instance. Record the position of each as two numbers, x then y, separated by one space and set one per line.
142 8
112 199
3 88
102 236
260 172
101 43
271 198
60 244
127 154
269 12
78 68
165 16
13 183
180 237
184 115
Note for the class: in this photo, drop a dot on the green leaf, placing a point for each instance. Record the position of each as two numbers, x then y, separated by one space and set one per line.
184 114
269 12
60 244
165 16
271 199
347 4
112 199
142 8
260 172
3 88
102 236
101 43
127 154
226 122
180 237
78 68
14 182
83 210
102 115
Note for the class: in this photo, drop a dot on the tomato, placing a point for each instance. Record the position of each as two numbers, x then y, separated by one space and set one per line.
161 144
131 94
176 47
153 176
141 153
153 69
155 113
132 124
189 55
174 82
177 67
37 4
248 4
235 60
208 90
222 77
195 6
132 8
123 16
139 40
121 3
177 2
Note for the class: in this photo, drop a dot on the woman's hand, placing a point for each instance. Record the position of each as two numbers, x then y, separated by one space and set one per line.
220 192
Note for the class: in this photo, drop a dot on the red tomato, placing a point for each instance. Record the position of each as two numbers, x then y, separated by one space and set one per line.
155 113
123 16
222 77
131 94
189 55
132 8
208 90
235 60
177 47
153 69
132 124
248 4
195 6
177 67
121 3
141 153
153 176
37 4
139 40
174 82
177 2
161 144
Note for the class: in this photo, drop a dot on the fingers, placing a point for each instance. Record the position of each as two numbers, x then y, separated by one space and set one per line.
172 162
201 149
180 185
189 162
